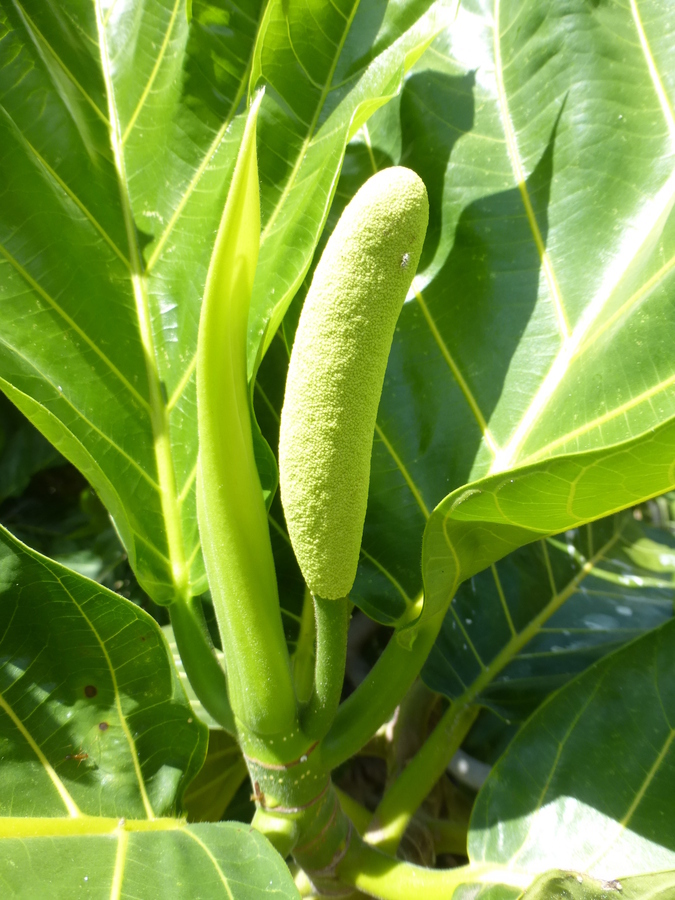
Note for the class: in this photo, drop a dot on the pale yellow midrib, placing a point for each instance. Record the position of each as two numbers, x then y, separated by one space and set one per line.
310 130
580 339
23 827
653 71
158 413
151 80
120 860
124 725
521 181
68 802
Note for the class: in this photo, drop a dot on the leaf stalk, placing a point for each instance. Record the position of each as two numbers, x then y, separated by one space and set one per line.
375 699
332 624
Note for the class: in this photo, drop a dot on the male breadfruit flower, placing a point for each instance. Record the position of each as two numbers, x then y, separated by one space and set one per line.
337 371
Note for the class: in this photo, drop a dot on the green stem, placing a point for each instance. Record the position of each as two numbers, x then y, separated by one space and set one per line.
448 835
359 815
199 660
406 794
375 699
332 623
411 727
382 876
305 655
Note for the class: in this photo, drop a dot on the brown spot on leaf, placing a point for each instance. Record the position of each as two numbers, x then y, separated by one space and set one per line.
90 691
103 726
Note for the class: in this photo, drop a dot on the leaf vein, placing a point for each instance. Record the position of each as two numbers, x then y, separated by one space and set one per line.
28 278
151 80
519 174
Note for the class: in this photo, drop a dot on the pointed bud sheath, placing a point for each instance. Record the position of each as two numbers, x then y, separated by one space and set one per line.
337 371
232 516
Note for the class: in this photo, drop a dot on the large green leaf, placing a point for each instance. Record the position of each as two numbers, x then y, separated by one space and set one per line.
528 624
98 743
587 783
120 126
120 142
574 886
225 861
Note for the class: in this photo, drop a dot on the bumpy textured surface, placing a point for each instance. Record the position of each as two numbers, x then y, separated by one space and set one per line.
336 374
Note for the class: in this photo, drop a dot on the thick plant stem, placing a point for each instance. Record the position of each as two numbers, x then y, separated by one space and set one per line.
376 698
382 876
199 660
332 623
406 794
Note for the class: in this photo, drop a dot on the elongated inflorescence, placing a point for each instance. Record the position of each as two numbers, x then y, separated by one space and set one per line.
336 374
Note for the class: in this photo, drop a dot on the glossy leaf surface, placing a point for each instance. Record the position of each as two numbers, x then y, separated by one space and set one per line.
586 784
223 861
90 699
574 886
523 627
98 743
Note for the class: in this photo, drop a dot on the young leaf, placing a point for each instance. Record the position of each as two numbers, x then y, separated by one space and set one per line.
232 513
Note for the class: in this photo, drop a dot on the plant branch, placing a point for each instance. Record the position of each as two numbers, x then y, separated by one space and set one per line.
332 624
199 660
448 835
386 878
407 793
376 698
359 815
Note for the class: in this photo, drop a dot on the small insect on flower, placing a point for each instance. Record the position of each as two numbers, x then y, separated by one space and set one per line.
405 260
